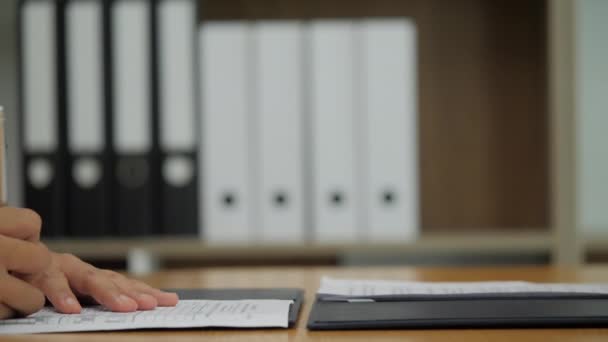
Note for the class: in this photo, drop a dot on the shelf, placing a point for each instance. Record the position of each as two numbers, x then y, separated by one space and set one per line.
502 242
595 243
497 139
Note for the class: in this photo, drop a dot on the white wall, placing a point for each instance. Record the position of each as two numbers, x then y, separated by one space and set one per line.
592 109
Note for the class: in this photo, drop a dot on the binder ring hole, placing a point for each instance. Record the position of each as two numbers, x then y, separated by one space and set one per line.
133 172
337 198
280 199
229 200
389 197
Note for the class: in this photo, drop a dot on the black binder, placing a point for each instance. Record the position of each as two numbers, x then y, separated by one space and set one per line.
178 160
88 208
134 191
517 310
297 295
44 181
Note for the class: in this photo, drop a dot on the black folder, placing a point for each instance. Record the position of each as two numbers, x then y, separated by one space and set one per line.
297 295
516 310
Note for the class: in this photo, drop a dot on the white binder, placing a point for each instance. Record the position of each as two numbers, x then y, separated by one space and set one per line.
226 110
390 110
279 96
334 117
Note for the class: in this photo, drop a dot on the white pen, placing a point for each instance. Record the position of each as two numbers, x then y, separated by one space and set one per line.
3 195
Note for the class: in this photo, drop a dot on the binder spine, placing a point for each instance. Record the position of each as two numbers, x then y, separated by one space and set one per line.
225 130
176 120
333 112
42 108
133 125
389 66
88 214
279 113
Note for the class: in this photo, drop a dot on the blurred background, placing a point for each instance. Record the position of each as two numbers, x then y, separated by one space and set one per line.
181 133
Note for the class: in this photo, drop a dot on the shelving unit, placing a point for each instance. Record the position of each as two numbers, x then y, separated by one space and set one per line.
485 125
496 133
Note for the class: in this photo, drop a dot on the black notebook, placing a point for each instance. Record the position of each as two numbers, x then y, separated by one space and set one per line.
521 310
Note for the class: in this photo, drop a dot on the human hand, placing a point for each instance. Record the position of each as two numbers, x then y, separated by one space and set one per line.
21 254
29 271
67 278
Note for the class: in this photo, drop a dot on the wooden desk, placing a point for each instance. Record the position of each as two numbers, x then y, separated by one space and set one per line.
308 278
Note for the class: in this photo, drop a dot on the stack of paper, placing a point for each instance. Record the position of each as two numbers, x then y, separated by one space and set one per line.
349 287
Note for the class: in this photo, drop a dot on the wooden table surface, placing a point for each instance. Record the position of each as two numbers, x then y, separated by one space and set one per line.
308 278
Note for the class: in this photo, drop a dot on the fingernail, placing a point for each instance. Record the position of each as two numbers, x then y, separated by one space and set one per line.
124 299
69 301
146 301
144 296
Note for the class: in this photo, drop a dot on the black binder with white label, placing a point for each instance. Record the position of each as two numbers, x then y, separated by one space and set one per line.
88 186
175 23
43 111
134 171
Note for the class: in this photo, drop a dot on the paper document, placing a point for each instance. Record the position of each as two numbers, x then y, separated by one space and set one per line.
187 314
350 287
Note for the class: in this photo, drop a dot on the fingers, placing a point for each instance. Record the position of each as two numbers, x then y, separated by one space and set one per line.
23 256
56 288
139 290
6 312
95 284
162 298
19 295
19 223
90 281
144 300
111 289
20 252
